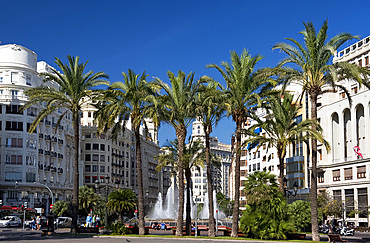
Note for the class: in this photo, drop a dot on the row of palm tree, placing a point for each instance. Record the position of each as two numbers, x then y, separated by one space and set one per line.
186 99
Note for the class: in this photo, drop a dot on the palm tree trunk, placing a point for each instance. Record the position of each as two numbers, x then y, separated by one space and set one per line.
76 186
139 171
211 219
188 203
181 136
281 172
313 191
235 226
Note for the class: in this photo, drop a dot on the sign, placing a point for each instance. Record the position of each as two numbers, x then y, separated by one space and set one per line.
51 206
135 211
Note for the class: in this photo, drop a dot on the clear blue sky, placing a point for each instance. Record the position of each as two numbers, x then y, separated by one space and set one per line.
157 36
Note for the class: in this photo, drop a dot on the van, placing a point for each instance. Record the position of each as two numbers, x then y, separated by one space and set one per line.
64 222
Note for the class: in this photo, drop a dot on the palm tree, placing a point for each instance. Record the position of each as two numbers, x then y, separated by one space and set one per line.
88 199
281 129
210 111
73 90
131 98
177 109
120 201
60 208
244 90
193 157
317 75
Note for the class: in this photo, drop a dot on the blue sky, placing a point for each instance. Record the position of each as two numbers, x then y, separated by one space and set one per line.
157 36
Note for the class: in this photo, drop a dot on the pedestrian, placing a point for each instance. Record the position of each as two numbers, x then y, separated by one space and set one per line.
97 221
38 223
88 220
94 221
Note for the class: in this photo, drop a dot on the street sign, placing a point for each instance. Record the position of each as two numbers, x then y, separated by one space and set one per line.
135 211
51 206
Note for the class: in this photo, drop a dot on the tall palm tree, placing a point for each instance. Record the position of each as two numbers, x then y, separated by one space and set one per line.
131 98
74 89
244 90
193 157
281 129
88 199
317 75
210 111
177 109
120 201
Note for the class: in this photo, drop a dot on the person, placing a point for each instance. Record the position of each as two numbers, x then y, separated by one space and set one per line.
88 220
38 223
94 221
97 221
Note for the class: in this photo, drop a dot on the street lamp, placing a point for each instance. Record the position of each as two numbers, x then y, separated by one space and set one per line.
106 200
196 194
218 208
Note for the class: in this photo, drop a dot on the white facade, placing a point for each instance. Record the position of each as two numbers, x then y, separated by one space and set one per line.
220 176
44 157
344 171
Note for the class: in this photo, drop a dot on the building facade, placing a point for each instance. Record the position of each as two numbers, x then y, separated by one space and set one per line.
344 171
30 162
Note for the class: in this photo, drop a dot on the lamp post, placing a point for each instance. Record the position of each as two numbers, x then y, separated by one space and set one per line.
218 208
106 200
196 194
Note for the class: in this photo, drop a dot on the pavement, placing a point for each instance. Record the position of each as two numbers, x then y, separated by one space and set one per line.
63 236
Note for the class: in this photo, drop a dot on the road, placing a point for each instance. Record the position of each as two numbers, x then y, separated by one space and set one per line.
28 236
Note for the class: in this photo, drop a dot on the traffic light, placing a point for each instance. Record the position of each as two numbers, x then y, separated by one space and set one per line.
25 204
1 203
22 206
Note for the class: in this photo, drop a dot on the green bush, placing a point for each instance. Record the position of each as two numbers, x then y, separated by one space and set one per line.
119 229
300 215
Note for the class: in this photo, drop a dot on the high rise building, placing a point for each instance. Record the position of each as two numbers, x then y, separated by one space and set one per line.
31 162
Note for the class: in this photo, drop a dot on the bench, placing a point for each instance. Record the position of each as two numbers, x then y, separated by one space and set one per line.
335 238
91 230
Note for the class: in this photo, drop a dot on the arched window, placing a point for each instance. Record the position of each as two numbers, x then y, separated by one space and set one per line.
335 137
346 131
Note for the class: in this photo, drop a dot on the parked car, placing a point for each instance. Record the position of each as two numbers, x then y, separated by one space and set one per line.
9 221
63 222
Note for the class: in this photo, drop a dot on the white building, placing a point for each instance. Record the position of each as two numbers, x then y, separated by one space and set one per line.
30 160
344 171
220 176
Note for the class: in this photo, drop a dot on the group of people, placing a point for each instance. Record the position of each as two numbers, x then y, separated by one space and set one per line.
36 223
93 221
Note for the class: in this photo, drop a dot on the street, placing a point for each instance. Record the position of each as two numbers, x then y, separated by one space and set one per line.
62 236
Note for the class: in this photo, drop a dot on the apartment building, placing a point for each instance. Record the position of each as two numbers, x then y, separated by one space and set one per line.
31 162
344 171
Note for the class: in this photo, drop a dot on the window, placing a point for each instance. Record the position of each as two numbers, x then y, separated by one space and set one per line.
13 159
94 168
13 176
14 77
348 174
95 157
320 177
88 135
87 157
30 160
102 147
360 63
102 168
102 158
349 202
354 90
14 142
95 146
336 175
28 80
319 151
87 179
89 114
1 77
362 202
254 167
242 173
14 126
14 93
13 109
258 166
366 60
88 146
30 177
361 172
87 168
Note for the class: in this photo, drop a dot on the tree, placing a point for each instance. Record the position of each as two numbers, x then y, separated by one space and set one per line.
210 111
120 201
177 107
61 208
245 88
317 76
193 157
299 213
281 128
74 88
88 199
265 216
131 98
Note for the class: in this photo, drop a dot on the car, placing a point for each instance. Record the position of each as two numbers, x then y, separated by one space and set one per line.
9 221
63 222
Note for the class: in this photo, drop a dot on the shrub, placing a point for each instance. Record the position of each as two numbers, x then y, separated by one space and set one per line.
119 228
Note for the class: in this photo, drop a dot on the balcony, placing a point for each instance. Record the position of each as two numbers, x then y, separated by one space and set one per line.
41 151
47 168
60 141
53 169
41 135
47 153
60 156
47 123
60 170
60 127
54 124
54 154
54 139
41 166
47 137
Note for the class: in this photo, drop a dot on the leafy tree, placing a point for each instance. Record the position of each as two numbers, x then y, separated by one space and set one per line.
120 201
281 129
245 89
176 107
88 199
74 88
327 206
129 99
210 110
317 76
299 213
61 208
265 216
